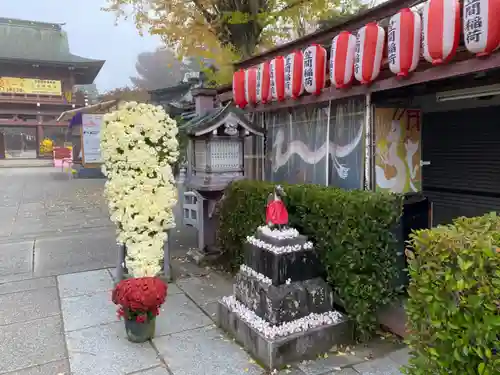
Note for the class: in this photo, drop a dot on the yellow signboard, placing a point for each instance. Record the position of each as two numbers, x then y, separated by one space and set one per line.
30 86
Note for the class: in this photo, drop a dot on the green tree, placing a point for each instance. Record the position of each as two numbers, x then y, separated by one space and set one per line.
225 31
127 94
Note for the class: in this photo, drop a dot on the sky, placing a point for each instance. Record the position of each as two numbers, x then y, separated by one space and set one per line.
92 33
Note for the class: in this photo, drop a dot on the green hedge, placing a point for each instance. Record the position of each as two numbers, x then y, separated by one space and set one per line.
454 305
352 231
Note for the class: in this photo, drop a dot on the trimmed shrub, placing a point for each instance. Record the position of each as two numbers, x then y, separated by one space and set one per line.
454 305
353 232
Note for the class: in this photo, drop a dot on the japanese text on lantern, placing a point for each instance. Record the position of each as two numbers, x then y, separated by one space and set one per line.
308 68
357 58
391 43
288 72
272 83
258 81
473 21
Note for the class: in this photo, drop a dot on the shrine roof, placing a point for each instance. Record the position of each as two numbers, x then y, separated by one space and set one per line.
210 121
38 42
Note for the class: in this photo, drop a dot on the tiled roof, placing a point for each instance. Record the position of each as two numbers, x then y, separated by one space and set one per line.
200 123
36 41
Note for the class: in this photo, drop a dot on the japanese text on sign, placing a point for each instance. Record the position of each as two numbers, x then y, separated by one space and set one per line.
308 68
15 85
391 42
473 21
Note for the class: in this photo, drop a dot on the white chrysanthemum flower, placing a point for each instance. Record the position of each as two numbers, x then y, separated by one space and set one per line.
138 143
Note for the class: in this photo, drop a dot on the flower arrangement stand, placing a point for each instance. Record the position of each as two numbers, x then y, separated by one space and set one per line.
166 272
282 310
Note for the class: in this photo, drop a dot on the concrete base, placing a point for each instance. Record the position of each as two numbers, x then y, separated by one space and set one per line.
278 352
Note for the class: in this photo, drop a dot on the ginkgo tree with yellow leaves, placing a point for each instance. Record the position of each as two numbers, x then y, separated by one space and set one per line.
225 31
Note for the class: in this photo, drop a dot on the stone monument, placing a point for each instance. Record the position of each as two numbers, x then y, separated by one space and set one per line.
282 310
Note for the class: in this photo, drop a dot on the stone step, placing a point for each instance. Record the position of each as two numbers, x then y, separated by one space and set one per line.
284 303
292 266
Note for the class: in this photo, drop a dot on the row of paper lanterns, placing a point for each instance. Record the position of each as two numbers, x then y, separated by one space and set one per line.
435 36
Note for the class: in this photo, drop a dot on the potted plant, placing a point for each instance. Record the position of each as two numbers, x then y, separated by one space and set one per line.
139 300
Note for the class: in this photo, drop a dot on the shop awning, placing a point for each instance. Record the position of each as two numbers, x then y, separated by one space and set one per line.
94 108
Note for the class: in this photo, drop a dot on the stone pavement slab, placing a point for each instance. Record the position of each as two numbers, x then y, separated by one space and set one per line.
207 289
349 356
104 350
52 368
76 253
16 258
28 305
31 343
88 310
204 351
25 285
400 356
82 283
179 313
162 370
381 366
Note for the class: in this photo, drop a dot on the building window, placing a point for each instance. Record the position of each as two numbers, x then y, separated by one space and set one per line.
18 142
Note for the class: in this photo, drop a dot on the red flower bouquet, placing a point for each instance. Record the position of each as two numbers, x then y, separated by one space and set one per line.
140 298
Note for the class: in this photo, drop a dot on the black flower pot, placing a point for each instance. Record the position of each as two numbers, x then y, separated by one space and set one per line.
140 332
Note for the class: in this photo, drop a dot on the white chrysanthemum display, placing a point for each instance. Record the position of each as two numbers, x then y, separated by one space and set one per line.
139 145
310 321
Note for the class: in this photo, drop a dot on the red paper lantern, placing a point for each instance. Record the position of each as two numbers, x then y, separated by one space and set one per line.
441 30
369 52
342 59
294 87
481 26
251 86
239 89
263 87
277 80
403 42
313 76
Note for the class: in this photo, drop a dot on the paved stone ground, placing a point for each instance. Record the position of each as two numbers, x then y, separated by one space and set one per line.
57 253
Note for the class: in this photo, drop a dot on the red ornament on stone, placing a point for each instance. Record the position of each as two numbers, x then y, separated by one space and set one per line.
276 213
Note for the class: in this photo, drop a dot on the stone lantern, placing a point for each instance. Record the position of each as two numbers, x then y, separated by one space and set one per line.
215 156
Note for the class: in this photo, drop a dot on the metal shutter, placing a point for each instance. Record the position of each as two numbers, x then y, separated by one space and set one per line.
463 147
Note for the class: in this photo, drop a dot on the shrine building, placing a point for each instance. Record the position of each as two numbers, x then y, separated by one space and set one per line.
403 98
37 78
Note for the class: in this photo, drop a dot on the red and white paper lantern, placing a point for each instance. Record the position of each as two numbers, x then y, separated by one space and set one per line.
481 26
294 87
369 52
277 78
403 42
441 30
313 76
251 85
263 86
342 59
239 89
